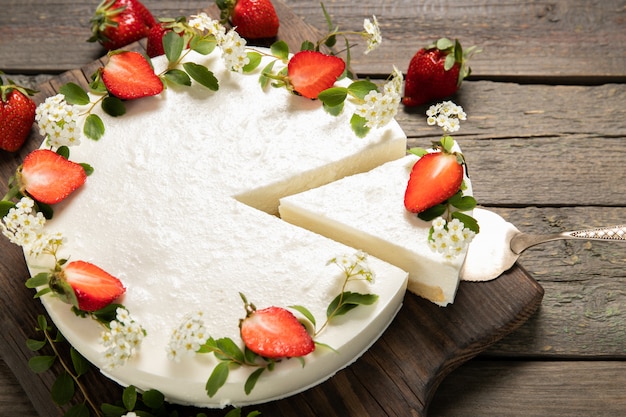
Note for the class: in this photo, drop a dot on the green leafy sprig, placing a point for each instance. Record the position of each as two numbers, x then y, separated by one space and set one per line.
230 355
68 384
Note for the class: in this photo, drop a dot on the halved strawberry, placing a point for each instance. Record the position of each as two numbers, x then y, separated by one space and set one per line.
128 75
94 287
435 177
275 332
311 72
49 177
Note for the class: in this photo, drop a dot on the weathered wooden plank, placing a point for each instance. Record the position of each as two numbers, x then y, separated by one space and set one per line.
535 41
519 40
532 389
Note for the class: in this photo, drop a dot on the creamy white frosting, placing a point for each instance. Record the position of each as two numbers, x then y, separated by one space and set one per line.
180 208
366 211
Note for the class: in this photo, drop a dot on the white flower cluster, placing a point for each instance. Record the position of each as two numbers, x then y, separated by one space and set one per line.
57 120
446 115
233 46
188 337
130 414
450 238
122 339
380 108
25 228
372 34
354 265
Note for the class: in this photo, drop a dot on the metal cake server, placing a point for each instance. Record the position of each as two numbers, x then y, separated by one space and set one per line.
498 245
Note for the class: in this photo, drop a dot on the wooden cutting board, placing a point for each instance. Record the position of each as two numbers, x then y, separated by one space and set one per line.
397 376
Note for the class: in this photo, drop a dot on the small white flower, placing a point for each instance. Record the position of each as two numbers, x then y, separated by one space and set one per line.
449 238
354 266
446 115
372 34
234 51
378 108
57 121
130 414
121 340
188 337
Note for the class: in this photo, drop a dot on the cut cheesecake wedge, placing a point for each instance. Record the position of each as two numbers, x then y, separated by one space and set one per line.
366 211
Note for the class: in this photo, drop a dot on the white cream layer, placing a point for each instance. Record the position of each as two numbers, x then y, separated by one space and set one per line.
177 208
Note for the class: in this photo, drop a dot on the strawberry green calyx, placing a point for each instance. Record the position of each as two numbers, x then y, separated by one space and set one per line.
103 18
6 89
455 55
226 9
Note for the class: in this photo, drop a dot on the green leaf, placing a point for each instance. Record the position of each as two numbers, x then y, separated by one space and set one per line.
64 151
449 62
447 143
81 365
39 364
230 349
78 410
42 323
432 213
63 389
326 346
94 127
347 301
129 397
255 60
444 43
74 94
38 280
467 220
113 106
107 314
35 345
217 379
333 96
203 45
361 88
202 75
153 398
418 151
87 168
359 298
5 206
307 46
334 111
173 45
264 80
178 76
280 49
305 312
252 379
358 125
331 41
461 202
235 412
45 209
110 410
42 292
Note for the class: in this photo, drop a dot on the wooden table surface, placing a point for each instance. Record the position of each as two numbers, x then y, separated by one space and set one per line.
545 142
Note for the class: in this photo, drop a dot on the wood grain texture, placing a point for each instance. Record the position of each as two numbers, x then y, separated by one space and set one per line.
522 40
546 157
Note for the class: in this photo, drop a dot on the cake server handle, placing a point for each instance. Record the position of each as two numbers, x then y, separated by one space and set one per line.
522 241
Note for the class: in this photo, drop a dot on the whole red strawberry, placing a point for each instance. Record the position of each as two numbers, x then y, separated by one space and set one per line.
435 177
117 23
436 72
17 114
253 19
